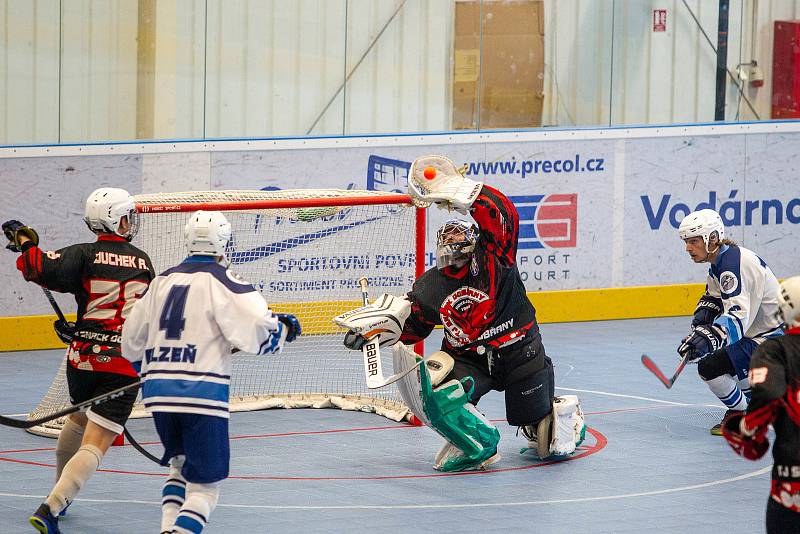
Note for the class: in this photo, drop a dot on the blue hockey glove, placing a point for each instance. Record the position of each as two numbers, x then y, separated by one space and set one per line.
292 325
702 340
707 310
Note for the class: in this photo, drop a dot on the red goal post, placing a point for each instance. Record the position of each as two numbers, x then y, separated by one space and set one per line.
304 250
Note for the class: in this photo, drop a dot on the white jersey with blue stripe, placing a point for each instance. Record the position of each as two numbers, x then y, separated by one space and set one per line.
749 293
182 331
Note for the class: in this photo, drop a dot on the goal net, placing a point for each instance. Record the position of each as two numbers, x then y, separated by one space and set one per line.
305 251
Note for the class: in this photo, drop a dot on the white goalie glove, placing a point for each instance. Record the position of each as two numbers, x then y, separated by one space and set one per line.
384 318
436 180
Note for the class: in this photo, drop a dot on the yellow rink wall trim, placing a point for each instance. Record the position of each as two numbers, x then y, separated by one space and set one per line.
34 332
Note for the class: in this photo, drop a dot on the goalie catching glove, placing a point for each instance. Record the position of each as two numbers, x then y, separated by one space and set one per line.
384 318
14 230
436 180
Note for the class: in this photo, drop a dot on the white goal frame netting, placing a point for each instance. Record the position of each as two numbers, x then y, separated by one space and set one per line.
304 250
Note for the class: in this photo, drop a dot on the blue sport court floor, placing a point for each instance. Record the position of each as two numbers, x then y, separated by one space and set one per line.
648 464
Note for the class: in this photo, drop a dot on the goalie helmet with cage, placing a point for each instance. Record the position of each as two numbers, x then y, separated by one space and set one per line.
702 223
106 207
789 302
207 233
455 243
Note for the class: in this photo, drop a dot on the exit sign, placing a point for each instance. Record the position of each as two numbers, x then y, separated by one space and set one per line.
659 20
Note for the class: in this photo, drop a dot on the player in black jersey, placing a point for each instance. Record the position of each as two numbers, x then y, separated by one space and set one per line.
107 277
775 382
491 337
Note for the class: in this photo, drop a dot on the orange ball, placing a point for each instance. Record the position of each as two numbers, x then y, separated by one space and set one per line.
429 173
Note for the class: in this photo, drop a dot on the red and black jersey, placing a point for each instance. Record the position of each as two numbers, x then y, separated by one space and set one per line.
106 277
775 383
484 302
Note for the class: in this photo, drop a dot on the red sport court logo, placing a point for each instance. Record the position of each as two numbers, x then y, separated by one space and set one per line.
547 220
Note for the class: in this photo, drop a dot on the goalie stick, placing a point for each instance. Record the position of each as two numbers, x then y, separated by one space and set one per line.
372 355
653 368
81 406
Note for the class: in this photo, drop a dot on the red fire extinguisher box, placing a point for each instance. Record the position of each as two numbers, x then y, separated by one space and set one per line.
786 70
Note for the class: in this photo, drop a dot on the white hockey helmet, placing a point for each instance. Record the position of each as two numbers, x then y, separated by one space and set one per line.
789 302
455 242
207 233
106 207
702 223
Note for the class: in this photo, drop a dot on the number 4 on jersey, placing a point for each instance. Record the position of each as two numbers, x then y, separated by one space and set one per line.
172 319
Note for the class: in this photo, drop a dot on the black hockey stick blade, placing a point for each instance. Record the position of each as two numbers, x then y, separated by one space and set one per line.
100 399
653 368
144 452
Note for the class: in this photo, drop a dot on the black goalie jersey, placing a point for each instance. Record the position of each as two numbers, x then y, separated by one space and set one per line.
482 303
775 382
106 277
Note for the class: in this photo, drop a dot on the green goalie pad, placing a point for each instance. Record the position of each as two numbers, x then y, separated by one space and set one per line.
450 413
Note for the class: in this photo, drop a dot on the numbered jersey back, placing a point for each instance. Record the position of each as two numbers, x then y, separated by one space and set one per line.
115 274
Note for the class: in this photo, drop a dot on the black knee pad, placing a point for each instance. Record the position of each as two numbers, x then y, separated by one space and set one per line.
716 364
530 399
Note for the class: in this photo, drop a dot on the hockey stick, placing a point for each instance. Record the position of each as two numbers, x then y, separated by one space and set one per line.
54 304
653 368
135 444
81 406
372 355
144 452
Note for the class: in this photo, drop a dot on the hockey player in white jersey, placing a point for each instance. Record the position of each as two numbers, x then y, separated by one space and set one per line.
180 337
737 312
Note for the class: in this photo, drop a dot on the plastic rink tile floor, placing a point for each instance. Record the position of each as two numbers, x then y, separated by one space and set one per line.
648 463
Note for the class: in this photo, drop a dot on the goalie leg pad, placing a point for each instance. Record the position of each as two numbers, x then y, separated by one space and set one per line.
449 413
409 386
560 432
451 455
569 427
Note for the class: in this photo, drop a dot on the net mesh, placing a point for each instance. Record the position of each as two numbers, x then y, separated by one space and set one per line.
306 259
